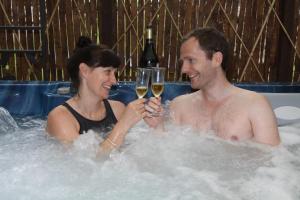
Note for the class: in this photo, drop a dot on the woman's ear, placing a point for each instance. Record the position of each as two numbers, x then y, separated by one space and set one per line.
217 58
83 70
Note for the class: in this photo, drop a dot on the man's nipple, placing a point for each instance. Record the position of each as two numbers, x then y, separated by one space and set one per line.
234 138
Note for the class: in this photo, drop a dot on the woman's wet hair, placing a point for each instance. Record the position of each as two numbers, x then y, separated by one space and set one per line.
210 41
92 55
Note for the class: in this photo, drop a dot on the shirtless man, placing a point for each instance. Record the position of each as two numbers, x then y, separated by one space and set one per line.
231 112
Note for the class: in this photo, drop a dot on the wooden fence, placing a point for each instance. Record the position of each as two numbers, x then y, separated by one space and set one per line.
264 35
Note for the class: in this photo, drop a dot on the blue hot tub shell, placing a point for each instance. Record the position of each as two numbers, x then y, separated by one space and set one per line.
37 98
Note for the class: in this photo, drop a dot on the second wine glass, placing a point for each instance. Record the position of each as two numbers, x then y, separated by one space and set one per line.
157 81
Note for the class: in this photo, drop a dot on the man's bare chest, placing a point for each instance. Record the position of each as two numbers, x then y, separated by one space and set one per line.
226 121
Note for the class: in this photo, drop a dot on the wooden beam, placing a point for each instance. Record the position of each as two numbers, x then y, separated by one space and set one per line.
107 21
284 58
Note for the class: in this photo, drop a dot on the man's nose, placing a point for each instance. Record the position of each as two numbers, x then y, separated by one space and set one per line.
184 67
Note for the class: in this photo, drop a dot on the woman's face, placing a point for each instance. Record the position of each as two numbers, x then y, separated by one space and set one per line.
100 80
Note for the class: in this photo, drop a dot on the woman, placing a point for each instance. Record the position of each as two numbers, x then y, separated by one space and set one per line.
92 71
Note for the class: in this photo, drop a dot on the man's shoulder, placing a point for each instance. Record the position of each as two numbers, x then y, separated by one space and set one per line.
250 98
248 94
182 100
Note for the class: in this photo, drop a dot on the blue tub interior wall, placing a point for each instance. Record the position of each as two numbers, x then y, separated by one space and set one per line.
124 91
37 98
26 98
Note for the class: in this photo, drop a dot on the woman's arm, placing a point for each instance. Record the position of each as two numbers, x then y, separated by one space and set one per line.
127 117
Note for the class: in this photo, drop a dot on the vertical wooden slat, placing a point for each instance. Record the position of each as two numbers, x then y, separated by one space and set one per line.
175 39
247 38
296 77
58 27
140 30
134 39
168 37
36 35
93 19
161 35
19 60
271 46
78 23
86 17
63 40
231 36
70 10
127 42
70 39
284 52
120 47
259 15
50 68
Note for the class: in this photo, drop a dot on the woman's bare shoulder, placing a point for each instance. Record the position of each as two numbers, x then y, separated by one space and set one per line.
61 124
59 111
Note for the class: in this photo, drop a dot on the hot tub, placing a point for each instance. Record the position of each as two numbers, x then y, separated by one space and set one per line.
178 164
37 98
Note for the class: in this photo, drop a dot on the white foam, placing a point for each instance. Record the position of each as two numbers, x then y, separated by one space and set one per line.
7 123
179 164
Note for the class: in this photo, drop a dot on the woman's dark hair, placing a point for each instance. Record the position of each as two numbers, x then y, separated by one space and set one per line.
91 54
210 41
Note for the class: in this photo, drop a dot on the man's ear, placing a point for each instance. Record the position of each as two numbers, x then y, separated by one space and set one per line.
217 58
83 70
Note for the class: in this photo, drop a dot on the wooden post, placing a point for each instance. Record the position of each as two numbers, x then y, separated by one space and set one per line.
107 22
43 24
284 58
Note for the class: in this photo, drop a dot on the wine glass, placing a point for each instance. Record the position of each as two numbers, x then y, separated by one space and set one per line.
157 81
157 85
142 81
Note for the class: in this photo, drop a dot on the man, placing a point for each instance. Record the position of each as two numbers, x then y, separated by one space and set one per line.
231 112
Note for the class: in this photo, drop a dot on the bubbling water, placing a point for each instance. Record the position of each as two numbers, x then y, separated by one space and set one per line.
177 164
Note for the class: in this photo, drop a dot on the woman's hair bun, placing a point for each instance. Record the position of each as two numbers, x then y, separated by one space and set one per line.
83 41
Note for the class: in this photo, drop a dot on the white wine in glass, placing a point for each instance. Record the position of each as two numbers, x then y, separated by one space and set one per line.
157 89
142 81
157 81
141 91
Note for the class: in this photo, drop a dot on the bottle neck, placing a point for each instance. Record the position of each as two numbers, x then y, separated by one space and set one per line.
149 35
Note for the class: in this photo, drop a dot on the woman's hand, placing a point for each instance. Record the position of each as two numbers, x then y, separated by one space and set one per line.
134 112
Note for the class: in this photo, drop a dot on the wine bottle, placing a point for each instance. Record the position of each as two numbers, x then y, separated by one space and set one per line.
149 57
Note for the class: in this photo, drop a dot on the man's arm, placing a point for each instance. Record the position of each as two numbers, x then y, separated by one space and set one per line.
263 121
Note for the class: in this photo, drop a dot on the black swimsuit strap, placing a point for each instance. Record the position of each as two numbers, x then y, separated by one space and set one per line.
86 124
109 111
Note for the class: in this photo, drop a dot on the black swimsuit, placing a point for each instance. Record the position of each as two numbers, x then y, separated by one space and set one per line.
103 126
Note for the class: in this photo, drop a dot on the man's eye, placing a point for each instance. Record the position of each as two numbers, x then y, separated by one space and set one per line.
191 61
107 72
